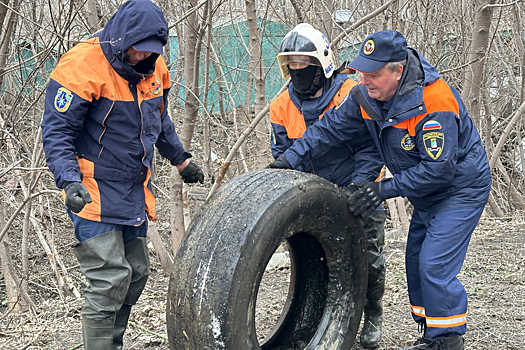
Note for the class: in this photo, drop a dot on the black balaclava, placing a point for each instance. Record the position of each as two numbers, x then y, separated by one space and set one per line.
307 81
147 66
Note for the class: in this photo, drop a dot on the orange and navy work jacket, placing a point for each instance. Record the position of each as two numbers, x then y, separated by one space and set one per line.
103 118
424 135
292 117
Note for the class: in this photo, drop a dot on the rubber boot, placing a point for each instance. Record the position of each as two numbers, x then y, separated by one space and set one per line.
121 322
453 342
373 322
373 314
103 263
137 257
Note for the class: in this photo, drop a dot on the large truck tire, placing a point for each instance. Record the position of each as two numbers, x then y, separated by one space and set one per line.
219 266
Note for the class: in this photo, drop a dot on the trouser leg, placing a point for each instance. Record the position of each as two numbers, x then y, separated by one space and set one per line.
103 263
137 257
442 254
374 228
416 236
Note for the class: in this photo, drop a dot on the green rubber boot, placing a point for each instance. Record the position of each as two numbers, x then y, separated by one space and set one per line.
103 263
121 322
373 322
374 228
137 257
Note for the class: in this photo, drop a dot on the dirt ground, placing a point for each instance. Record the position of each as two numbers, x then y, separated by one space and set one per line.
493 275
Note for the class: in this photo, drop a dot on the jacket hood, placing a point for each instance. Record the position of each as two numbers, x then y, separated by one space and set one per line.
417 72
135 20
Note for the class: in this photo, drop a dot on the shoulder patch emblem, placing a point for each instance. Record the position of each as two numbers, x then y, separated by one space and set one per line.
158 86
342 101
431 125
434 143
407 142
63 99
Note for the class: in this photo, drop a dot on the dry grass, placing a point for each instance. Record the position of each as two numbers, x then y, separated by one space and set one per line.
492 274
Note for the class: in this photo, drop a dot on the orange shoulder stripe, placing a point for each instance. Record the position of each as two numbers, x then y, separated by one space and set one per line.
284 112
438 98
341 94
85 70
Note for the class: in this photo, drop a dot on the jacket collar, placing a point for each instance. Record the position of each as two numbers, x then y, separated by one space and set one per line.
408 100
314 107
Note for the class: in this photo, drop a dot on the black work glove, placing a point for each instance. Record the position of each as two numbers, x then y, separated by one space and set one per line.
192 173
279 163
350 189
77 196
365 199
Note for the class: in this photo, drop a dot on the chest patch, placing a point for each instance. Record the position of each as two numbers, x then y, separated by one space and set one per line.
407 142
434 143
158 86
431 125
63 99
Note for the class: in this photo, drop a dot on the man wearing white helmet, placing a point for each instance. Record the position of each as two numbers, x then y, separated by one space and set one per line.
317 86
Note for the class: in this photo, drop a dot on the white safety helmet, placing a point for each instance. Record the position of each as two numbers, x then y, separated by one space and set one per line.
306 40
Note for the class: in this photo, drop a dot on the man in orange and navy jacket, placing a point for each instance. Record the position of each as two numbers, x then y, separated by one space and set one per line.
315 87
430 144
106 107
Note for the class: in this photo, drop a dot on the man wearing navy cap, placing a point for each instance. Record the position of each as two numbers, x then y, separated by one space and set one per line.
430 144
106 108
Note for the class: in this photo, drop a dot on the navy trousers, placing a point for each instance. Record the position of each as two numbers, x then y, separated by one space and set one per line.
434 255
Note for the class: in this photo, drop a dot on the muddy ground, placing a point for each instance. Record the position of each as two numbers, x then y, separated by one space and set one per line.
493 275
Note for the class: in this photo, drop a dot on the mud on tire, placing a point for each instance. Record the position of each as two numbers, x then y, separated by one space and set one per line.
218 268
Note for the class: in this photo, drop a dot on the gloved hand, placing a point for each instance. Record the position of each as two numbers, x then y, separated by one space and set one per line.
279 163
77 196
366 199
350 189
192 173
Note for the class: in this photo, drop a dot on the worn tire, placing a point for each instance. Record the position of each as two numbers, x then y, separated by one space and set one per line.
218 268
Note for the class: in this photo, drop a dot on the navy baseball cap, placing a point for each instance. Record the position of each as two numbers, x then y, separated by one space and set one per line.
151 44
378 49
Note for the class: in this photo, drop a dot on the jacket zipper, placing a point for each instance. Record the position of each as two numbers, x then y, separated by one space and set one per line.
104 125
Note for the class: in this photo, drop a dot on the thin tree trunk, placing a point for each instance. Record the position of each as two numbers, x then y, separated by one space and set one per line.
403 217
475 72
255 51
392 209
25 246
207 139
92 16
177 210
10 288
298 12
191 68
495 207
166 261
3 12
4 48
